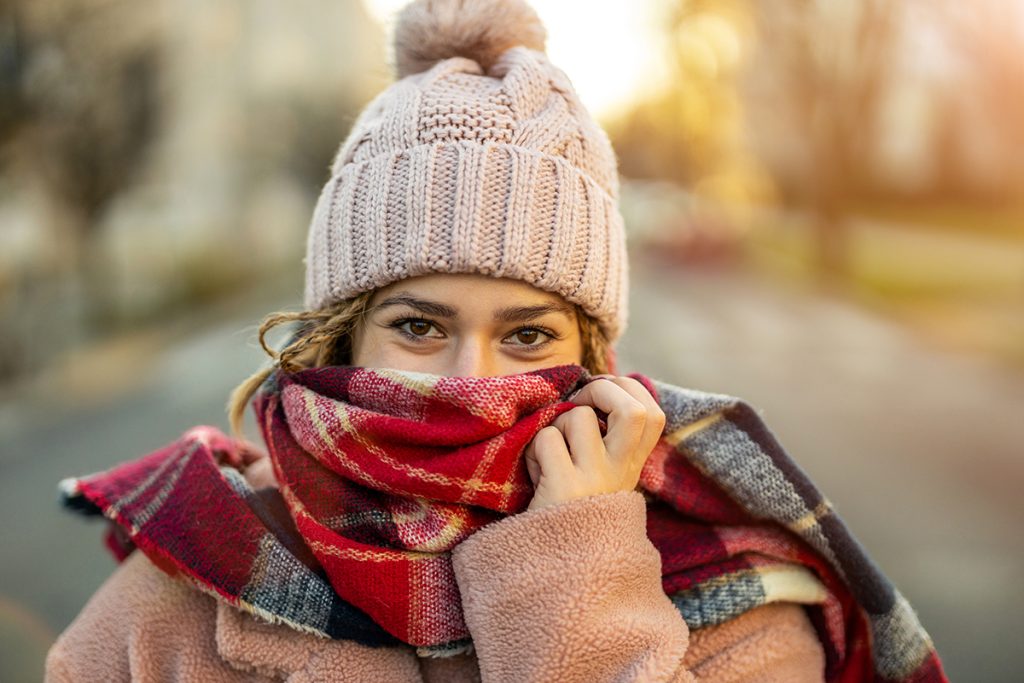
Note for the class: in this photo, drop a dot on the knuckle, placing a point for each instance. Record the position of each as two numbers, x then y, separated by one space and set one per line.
635 412
631 382
548 433
580 413
578 419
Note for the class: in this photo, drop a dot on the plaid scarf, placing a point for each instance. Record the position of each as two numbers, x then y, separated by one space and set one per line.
381 473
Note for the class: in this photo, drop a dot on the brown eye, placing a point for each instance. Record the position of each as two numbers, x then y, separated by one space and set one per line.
531 338
527 336
419 327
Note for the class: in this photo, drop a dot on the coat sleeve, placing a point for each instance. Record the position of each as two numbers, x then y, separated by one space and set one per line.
573 593
140 625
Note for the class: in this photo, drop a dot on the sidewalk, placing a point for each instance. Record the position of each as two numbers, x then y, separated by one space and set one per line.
919 448
111 369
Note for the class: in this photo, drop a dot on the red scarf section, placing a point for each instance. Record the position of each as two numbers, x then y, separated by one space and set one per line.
382 473
386 472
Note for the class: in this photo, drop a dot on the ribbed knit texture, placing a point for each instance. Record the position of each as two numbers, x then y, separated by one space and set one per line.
454 170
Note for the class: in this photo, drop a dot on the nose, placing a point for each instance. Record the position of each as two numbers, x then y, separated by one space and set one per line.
473 357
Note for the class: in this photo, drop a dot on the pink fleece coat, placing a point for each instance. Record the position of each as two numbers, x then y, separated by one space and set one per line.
566 593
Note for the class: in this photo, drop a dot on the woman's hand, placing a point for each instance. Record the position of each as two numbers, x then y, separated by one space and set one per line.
570 459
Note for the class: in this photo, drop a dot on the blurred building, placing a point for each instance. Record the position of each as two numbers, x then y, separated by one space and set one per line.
156 153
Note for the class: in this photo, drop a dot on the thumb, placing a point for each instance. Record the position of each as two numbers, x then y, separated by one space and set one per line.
532 466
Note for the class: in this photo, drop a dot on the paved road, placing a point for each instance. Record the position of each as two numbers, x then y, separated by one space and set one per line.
918 449
53 561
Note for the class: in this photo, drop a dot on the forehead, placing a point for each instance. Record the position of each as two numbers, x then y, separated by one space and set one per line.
469 293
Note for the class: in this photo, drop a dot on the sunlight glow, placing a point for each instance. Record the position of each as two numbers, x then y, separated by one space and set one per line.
610 50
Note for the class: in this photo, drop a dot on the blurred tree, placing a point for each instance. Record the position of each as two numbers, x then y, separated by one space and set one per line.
690 131
85 82
687 130
950 178
12 72
796 83
987 35
823 69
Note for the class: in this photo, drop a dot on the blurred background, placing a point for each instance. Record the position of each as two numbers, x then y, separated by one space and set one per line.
825 206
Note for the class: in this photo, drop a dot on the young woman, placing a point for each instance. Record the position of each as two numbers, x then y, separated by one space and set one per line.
455 484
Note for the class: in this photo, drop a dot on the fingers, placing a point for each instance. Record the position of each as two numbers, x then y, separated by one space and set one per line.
654 426
582 434
634 388
635 420
548 455
570 458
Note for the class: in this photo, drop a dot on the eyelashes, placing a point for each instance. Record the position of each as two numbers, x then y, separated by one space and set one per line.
399 325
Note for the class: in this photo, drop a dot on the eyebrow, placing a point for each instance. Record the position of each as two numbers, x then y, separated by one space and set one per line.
505 315
514 314
421 305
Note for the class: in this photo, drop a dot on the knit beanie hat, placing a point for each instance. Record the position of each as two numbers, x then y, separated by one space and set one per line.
480 158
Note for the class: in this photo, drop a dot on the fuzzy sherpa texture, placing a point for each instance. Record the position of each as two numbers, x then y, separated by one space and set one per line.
144 625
